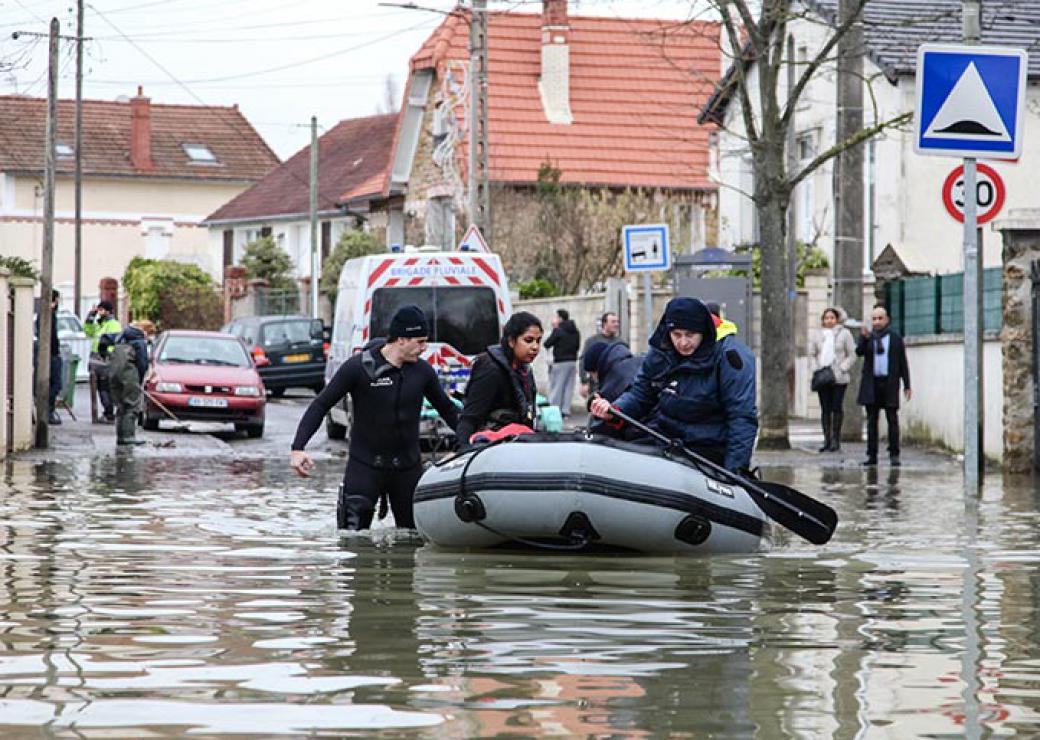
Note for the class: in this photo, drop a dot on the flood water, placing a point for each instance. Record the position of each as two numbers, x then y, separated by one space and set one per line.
166 597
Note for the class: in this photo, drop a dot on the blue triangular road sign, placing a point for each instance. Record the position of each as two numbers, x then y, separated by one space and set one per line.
970 100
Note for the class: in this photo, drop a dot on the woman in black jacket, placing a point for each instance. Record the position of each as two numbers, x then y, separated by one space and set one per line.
501 388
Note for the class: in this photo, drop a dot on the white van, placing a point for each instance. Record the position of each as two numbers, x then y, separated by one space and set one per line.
465 296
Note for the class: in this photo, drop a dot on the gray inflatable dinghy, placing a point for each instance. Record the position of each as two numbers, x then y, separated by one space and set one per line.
575 493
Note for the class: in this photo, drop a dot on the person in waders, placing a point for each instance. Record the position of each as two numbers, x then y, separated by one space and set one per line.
127 365
387 384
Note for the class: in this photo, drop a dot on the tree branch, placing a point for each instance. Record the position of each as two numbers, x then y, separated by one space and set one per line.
741 65
821 56
856 139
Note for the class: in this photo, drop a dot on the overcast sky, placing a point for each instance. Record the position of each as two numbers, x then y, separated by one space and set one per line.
281 61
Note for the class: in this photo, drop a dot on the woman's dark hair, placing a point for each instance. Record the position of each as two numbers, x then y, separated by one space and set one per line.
831 309
518 323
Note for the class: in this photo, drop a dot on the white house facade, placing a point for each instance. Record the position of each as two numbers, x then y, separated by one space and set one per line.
903 191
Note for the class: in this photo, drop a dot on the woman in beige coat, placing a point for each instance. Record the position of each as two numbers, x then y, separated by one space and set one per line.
832 346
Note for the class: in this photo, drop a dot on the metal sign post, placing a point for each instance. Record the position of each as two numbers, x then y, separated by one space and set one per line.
973 408
646 250
970 101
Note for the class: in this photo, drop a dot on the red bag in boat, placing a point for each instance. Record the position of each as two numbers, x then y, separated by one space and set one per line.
509 430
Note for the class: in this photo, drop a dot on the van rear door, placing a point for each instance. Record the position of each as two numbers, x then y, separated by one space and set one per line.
465 316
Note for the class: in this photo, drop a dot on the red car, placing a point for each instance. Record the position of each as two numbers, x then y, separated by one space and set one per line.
204 376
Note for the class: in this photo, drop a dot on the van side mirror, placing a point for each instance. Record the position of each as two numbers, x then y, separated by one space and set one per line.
317 329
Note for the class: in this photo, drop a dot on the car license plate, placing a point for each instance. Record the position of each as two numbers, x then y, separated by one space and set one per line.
296 358
207 403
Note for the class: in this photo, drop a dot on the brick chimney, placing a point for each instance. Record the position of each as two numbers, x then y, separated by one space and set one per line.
554 82
141 132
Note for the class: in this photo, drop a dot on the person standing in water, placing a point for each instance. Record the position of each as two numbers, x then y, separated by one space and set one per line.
387 384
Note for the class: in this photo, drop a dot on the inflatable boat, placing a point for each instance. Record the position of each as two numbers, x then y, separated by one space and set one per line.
570 492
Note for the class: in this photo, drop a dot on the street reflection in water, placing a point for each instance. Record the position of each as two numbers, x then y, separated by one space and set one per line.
175 596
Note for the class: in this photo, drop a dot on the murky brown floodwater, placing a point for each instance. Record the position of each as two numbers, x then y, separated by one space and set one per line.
166 597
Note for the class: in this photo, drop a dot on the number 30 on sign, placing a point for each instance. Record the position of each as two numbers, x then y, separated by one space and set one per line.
989 193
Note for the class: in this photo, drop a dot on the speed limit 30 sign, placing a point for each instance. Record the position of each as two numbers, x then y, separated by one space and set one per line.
989 193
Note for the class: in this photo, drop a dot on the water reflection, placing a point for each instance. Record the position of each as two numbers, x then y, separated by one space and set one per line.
168 596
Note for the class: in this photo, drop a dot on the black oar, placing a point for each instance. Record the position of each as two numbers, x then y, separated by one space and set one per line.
806 517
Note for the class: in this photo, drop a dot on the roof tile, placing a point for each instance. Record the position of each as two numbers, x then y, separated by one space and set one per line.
353 159
635 89
240 151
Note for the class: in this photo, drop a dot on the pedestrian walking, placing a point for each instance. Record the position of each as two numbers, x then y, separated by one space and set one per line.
101 320
127 366
386 383
831 354
693 388
609 332
884 367
564 341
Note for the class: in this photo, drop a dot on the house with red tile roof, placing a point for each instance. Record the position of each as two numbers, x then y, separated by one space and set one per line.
610 103
151 174
353 157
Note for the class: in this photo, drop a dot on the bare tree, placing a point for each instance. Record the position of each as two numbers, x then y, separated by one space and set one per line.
757 33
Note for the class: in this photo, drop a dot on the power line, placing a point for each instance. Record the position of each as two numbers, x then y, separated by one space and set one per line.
191 93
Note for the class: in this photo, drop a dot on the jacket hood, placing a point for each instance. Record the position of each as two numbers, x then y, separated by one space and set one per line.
611 356
685 313
133 334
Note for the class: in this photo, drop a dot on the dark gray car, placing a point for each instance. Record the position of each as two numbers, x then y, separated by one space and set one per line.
289 351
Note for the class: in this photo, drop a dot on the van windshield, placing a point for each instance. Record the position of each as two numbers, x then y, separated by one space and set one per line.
464 317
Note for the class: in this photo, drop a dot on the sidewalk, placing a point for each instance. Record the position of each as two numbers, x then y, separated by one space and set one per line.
80 438
76 438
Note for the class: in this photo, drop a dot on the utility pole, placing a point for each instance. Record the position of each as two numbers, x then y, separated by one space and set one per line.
45 314
77 279
479 194
792 208
314 217
848 195
973 407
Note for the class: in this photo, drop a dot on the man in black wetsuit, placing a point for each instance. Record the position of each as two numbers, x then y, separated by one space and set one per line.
386 383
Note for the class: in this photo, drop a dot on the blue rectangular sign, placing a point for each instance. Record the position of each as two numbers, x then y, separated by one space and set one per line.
970 100
646 248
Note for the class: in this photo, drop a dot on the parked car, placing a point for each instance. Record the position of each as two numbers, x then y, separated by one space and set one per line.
70 332
204 376
289 351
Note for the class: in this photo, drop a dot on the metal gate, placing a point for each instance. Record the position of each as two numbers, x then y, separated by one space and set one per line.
698 275
278 302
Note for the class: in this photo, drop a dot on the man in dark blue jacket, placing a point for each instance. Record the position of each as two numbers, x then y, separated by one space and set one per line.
612 367
694 389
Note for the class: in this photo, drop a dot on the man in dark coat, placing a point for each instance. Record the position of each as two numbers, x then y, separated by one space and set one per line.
884 366
612 366
563 341
609 332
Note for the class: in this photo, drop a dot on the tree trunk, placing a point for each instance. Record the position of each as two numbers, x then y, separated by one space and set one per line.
776 340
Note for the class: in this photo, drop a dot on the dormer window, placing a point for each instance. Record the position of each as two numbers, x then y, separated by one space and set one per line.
199 153
62 149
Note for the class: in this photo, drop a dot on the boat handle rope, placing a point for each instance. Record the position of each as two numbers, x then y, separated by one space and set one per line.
463 496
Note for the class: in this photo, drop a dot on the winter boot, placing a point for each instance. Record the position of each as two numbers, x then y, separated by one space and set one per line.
126 430
825 419
836 419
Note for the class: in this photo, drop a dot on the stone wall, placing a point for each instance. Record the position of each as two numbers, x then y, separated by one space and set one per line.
1021 237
